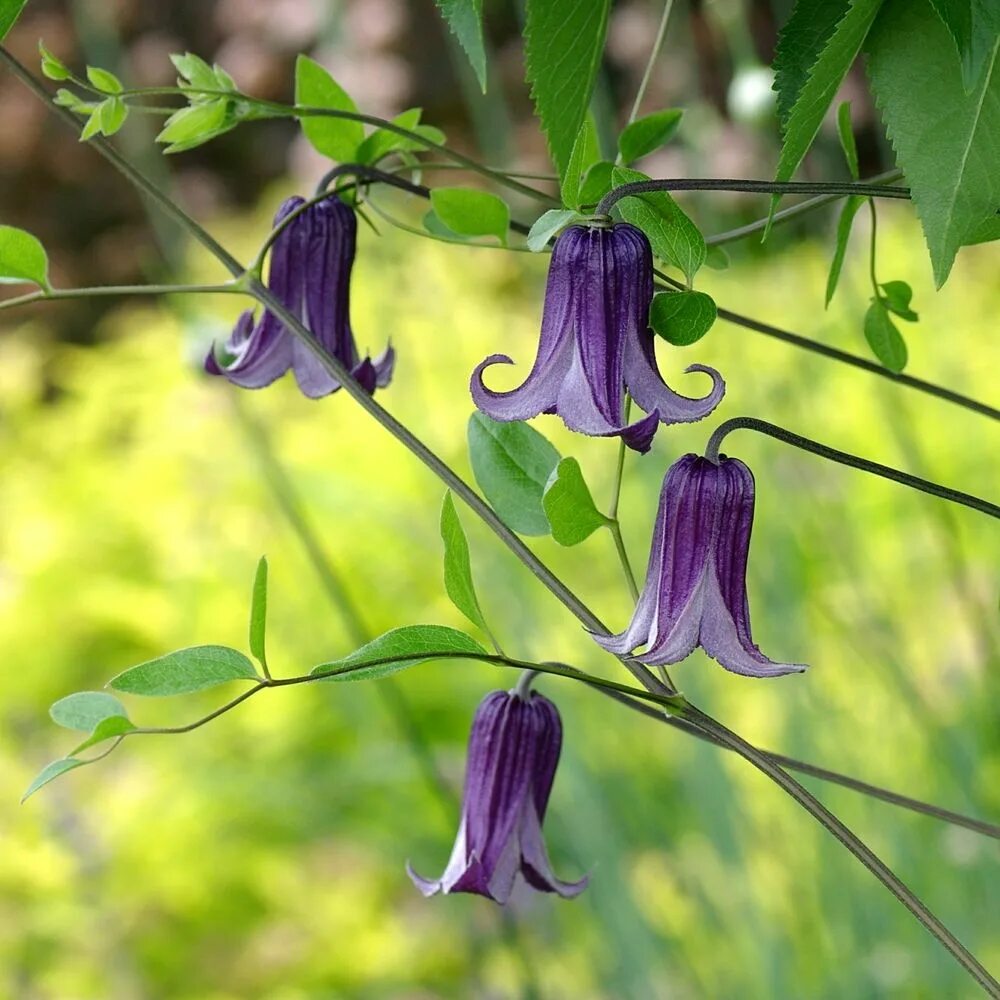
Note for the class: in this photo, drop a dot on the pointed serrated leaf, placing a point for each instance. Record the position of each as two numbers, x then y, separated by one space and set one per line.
822 81
947 142
974 26
465 18
800 42
10 10
563 43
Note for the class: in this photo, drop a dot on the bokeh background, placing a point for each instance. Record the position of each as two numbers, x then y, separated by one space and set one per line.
262 855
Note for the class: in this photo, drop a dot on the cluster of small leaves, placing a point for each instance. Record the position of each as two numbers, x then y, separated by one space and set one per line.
104 117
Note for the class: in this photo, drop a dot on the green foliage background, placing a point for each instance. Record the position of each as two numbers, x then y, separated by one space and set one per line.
262 856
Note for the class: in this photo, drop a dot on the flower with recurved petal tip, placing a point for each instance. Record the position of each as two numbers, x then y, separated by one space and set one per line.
596 344
695 592
310 273
513 752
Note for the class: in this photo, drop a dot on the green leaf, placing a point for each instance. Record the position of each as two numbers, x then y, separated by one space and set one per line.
107 729
52 771
67 99
572 513
946 142
846 135
822 82
22 258
585 153
800 42
897 299
457 567
974 26
512 463
52 67
673 236
105 81
596 183
563 43
337 138
469 212
258 611
436 227
382 141
716 258
92 126
547 225
419 642
195 74
884 339
10 10
644 135
112 113
184 671
844 223
465 18
85 709
987 231
682 318
194 125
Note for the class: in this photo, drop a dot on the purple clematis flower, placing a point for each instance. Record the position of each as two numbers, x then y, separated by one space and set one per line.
596 343
696 591
513 751
311 263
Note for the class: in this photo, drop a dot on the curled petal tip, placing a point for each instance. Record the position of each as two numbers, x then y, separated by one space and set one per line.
427 887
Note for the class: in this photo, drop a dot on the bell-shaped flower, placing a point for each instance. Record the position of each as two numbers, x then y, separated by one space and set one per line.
311 263
513 752
596 343
695 592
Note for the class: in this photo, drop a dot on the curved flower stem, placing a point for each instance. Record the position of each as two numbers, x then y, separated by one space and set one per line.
837 188
101 291
796 340
845 458
793 211
856 846
661 34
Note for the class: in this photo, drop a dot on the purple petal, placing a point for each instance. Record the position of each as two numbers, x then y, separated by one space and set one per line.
536 867
262 352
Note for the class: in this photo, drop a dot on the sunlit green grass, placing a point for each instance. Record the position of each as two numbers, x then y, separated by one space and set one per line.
262 856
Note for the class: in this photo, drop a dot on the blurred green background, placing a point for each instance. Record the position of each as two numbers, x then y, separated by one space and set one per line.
262 856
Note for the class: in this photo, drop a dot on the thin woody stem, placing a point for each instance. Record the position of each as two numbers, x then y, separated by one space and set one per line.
838 188
100 291
845 458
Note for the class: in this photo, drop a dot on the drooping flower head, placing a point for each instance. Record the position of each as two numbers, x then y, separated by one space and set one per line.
695 592
513 752
596 343
311 263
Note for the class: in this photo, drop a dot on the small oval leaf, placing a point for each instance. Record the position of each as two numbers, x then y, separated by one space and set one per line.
457 565
469 212
512 463
83 710
682 318
569 506
412 643
50 772
258 610
22 257
647 134
885 340
186 670
547 225
337 138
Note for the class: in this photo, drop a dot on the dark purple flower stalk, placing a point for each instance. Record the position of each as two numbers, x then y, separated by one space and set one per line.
311 263
696 591
513 752
596 343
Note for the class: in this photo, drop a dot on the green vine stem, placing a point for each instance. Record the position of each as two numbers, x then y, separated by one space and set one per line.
835 188
796 340
845 458
652 685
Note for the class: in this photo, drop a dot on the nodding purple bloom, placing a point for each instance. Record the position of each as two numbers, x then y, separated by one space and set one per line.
311 263
596 343
513 751
696 591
